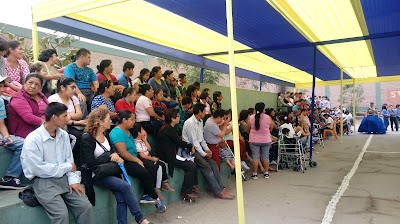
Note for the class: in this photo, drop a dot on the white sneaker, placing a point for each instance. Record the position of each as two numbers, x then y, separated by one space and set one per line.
244 165
273 162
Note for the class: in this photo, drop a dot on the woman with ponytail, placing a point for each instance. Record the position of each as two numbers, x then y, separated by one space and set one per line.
260 138
104 70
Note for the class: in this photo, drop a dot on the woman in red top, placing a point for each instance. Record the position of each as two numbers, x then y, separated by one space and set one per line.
127 102
104 73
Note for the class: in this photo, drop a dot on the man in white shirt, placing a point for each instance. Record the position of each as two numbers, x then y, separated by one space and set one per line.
193 133
47 159
328 121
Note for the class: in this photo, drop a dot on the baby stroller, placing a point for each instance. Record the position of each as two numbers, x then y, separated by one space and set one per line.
291 154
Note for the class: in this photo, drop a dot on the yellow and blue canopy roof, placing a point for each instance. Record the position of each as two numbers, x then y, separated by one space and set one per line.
274 39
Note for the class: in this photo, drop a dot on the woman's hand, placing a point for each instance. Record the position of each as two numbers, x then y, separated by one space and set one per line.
115 157
154 159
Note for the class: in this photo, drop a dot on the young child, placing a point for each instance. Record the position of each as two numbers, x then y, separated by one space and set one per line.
183 108
143 148
40 68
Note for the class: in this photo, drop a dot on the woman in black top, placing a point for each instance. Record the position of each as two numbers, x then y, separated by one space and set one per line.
168 143
95 143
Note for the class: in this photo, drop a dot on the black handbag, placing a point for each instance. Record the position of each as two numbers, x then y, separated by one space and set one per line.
106 167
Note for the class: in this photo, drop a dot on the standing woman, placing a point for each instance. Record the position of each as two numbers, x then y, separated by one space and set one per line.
144 108
26 109
123 141
385 115
94 144
16 67
142 79
260 138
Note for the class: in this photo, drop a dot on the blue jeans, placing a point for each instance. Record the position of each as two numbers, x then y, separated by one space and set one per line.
124 197
14 167
211 173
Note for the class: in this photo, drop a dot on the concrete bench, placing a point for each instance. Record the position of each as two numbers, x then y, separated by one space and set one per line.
13 210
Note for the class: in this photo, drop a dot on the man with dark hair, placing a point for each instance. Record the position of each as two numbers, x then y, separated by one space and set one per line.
193 133
183 108
83 76
47 159
214 132
13 143
49 58
182 81
125 78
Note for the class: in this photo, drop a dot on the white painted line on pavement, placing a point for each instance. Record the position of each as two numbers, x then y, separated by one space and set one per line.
331 208
382 152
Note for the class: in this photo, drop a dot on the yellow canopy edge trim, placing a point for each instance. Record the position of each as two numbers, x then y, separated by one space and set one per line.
350 81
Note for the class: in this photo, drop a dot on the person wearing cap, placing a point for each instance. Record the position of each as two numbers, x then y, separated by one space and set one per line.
371 123
13 143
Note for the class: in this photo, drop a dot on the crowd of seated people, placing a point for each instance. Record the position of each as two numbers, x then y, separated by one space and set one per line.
46 107
117 116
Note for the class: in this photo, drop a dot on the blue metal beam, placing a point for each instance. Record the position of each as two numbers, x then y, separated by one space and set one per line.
81 29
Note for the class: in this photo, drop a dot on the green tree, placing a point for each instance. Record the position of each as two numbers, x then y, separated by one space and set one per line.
60 43
192 72
348 93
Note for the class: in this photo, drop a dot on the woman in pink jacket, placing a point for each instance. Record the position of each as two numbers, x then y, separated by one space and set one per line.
27 107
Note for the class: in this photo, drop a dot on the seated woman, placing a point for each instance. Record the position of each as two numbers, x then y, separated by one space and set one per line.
94 144
142 79
371 123
303 133
123 141
26 109
16 67
159 108
143 148
144 109
128 100
104 72
103 96
157 83
65 94
169 141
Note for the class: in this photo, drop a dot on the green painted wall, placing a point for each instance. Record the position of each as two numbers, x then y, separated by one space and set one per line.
245 98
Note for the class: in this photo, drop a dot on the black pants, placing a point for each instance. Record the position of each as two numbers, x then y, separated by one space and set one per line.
190 178
153 167
146 179
394 120
273 153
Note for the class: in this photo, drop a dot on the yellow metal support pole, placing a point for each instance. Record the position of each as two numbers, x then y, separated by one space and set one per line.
35 42
341 106
232 80
354 105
